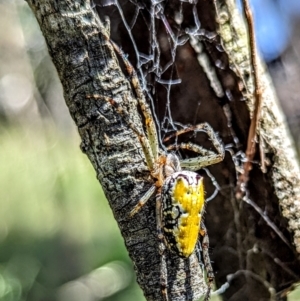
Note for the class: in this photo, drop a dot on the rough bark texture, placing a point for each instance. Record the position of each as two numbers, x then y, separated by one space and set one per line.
87 66
264 245
254 239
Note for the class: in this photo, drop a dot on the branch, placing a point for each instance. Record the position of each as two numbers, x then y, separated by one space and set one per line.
90 74
276 139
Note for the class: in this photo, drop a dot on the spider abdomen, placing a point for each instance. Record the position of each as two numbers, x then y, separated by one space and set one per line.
182 204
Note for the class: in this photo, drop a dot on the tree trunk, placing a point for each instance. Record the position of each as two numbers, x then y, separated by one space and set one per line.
254 239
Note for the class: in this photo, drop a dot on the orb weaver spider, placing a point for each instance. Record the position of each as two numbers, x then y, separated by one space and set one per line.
179 193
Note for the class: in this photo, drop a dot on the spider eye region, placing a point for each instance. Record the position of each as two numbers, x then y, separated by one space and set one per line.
182 205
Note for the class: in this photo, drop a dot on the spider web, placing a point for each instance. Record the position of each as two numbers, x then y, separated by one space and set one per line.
158 41
179 63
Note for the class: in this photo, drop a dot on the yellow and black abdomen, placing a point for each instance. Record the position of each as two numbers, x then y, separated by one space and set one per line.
182 204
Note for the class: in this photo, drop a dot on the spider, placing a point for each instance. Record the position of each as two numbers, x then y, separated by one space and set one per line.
179 193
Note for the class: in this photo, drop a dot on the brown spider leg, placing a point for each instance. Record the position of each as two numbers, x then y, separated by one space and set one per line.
161 250
145 198
141 136
206 260
194 128
207 157
150 126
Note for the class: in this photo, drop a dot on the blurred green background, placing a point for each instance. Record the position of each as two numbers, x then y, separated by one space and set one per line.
58 238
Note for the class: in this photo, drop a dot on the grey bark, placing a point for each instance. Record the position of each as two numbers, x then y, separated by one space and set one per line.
87 66
255 240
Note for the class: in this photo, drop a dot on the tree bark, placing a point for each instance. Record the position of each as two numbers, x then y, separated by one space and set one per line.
255 240
87 66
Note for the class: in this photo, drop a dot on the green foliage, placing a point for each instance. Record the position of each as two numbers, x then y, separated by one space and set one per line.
58 238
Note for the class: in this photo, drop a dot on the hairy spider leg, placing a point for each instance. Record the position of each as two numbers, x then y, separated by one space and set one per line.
194 128
140 134
206 157
150 125
145 198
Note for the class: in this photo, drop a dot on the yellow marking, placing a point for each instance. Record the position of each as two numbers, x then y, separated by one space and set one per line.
191 199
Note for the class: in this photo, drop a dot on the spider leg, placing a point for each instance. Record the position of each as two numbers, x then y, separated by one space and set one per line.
140 134
150 125
206 260
143 201
161 250
192 128
206 157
